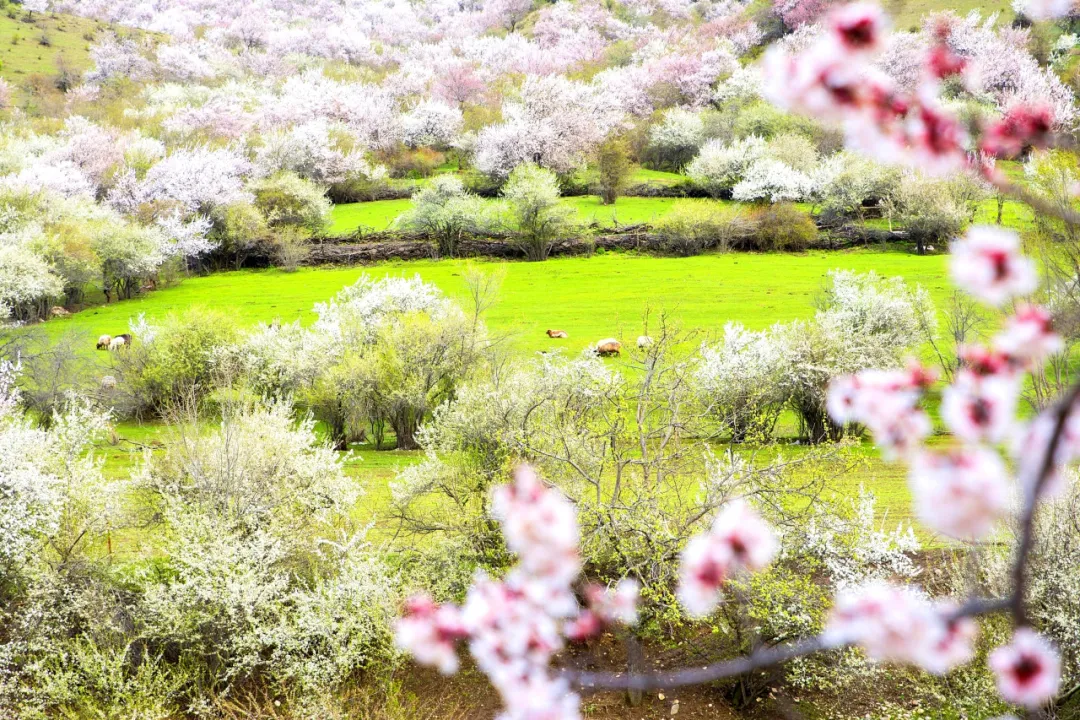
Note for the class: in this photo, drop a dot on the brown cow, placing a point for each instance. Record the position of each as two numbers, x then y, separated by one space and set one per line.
557 334
608 346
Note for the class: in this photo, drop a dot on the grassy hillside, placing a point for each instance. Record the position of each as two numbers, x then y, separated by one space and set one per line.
42 43
908 14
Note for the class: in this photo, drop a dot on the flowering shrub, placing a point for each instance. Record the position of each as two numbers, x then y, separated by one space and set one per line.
445 211
677 137
718 167
743 378
532 197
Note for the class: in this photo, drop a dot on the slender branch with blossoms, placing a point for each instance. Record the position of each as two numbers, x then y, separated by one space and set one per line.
516 625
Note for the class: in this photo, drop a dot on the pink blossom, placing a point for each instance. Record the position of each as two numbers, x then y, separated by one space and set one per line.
1030 448
540 525
429 631
983 362
586 625
896 624
885 401
1028 670
987 263
540 697
936 139
980 408
618 604
1028 337
1021 127
739 539
960 492
955 646
859 26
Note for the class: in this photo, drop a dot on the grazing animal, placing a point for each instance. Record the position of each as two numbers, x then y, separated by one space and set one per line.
108 383
120 341
644 341
608 346
557 334
57 311
103 342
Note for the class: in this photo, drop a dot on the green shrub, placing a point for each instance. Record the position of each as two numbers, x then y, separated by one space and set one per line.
240 230
690 228
782 227
288 199
767 121
171 364
612 170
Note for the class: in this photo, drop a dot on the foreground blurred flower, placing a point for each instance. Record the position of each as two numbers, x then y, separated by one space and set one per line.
987 263
960 492
1028 670
893 623
739 539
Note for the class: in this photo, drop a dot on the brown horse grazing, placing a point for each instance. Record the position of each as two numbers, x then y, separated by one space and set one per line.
609 346
557 334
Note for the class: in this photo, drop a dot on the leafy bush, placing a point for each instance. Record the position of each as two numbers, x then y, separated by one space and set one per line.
240 231
448 213
767 121
537 216
170 364
612 169
794 150
690 228
782 227
286 199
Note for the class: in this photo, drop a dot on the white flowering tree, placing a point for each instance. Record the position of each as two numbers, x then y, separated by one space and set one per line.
743 378
537 217
447 212
718 167
677 137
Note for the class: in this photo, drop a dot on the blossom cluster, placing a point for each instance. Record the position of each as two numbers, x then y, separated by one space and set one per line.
965 490
515 625
835 79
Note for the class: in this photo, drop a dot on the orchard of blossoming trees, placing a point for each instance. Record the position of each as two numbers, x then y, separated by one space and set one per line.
692 516
182 131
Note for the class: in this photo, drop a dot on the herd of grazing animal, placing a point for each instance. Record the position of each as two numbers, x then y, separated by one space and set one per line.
114 343
607 346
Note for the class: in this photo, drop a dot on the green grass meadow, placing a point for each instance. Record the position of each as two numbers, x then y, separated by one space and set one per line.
590 298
